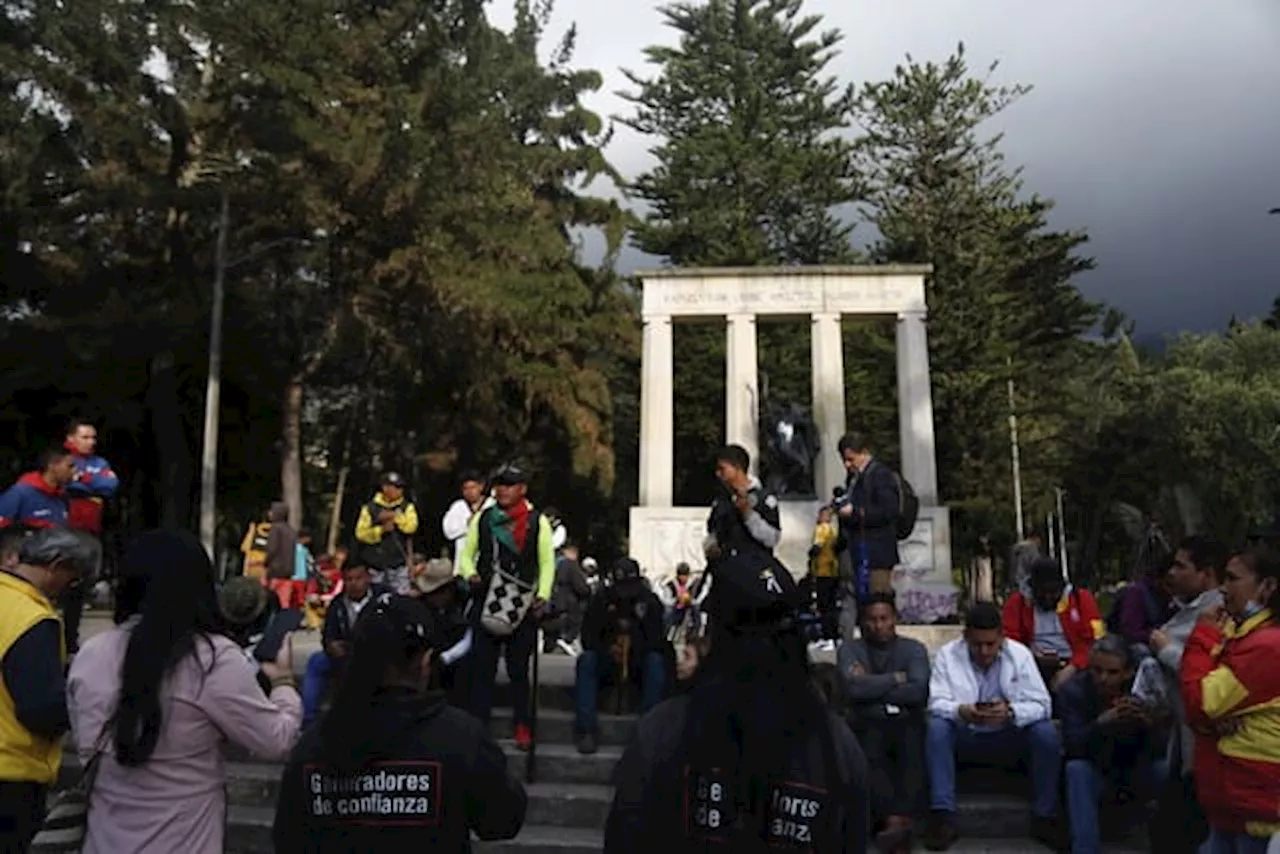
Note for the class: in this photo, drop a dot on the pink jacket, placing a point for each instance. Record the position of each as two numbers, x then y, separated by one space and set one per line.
175 802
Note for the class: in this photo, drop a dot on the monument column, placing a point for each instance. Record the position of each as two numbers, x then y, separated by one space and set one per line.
915 407
657 414
742 386
827 357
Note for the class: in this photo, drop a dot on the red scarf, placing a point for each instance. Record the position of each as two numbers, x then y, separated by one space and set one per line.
519 516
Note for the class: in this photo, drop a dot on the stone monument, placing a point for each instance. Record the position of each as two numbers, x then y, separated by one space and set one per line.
663 535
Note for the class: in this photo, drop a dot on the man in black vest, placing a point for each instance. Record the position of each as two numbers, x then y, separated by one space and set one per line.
514 539
385 528
744 517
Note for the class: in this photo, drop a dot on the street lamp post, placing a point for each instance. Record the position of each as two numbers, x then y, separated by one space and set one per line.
213 385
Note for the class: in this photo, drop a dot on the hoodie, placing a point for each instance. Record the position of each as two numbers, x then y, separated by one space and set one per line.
33 503
94 483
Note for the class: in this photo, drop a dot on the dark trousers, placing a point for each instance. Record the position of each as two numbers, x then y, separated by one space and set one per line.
21 813
827 593
483 666
895 755
72 603
1179 825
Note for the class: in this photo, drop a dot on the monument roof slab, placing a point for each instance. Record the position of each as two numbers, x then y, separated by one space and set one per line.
780 291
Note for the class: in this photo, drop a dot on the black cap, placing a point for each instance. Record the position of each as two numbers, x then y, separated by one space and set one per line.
752 590
392 478
509 474
626 569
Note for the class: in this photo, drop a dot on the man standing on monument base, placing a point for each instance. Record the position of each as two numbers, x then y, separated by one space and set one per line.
869 516
744 517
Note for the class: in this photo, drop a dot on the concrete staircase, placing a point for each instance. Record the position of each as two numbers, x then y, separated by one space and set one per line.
571 798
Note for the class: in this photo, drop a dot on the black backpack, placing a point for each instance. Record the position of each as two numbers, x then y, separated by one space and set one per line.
908 508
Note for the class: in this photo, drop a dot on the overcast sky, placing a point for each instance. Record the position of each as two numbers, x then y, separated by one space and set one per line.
1155 124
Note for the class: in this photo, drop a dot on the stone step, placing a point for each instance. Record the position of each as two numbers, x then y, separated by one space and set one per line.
1021 846
555 726
249 832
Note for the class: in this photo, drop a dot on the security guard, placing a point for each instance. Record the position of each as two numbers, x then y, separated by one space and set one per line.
751 759
393 768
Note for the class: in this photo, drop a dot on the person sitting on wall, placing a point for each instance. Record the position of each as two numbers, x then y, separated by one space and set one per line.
622 635
989 705
1058 622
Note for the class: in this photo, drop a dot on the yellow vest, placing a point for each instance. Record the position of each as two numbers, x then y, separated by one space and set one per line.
24 757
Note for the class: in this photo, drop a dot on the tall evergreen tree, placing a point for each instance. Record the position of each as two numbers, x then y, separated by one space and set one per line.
752 169
1002 300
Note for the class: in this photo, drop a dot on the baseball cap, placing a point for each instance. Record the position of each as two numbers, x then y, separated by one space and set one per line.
242 600
392 478
625 569
509 474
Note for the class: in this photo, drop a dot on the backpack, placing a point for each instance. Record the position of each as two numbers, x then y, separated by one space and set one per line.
908 508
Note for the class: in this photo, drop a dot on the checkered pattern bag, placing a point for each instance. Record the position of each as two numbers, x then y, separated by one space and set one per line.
506 604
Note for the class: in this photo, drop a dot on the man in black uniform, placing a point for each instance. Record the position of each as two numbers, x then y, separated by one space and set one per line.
750 760
392 767
622 640
744 516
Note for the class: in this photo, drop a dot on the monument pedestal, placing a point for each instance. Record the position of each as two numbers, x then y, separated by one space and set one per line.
662 537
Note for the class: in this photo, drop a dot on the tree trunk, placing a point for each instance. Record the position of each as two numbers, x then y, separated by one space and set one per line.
291 464
171 442
335 515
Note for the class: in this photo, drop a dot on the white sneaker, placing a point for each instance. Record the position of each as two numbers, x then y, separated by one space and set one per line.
567 647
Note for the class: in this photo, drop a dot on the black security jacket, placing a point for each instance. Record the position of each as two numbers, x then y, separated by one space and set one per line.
655 801
437 777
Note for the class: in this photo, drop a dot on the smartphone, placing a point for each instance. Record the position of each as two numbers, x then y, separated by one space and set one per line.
281 624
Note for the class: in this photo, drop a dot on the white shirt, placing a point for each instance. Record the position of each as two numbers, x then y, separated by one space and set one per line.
954 683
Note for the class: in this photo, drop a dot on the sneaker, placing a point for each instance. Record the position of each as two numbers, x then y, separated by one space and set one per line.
567 647
1049 833
586 743
524 737
940 833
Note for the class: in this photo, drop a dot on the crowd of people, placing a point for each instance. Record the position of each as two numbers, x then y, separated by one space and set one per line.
743 743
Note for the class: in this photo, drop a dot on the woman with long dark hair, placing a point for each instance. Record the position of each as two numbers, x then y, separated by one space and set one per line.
393 767
751 759
158 695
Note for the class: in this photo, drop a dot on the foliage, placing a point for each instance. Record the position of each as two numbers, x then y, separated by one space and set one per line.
752 169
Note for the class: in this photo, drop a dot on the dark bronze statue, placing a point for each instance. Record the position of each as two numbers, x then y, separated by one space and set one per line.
791 446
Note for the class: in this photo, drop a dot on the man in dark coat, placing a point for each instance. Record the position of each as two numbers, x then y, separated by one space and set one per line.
869 515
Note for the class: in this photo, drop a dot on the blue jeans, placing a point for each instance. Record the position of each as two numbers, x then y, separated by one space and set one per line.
1224 842
592 667
1085 788
1038 746
314 684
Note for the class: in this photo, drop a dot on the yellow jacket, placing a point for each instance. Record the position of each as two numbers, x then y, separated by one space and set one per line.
24 756
826 563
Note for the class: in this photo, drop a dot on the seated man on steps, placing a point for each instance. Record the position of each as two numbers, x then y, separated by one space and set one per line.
1106 734
886 684
1058 622
622 637
988 705
327 663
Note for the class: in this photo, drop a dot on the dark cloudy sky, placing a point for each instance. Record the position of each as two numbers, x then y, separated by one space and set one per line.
1155 124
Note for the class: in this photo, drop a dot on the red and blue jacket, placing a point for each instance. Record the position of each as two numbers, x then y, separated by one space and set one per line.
94 483
33 503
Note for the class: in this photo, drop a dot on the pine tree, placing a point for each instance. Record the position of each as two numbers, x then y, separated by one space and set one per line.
752 169
1002 302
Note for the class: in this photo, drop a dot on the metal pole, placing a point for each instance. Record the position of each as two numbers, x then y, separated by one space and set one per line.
1062 533
213 385
1051 533
1017 464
